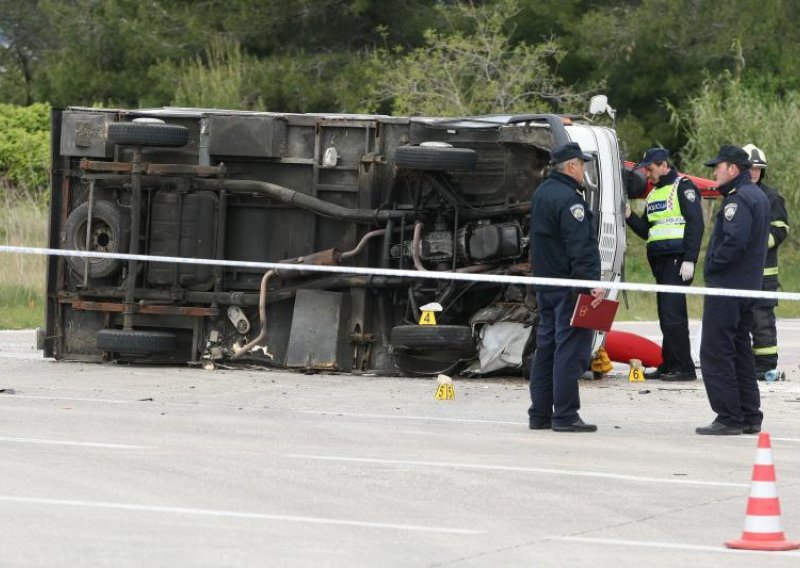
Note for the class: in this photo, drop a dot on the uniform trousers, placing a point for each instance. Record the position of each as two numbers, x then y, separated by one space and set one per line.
673 319
726 359
765 333
562 355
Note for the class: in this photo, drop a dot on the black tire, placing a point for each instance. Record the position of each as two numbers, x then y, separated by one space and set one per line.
456 338
107 236
435 158
138 134
136 341
429 363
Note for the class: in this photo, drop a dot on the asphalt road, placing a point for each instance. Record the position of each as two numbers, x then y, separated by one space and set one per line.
111 465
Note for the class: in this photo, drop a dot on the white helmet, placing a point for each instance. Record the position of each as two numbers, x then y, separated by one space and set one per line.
757 156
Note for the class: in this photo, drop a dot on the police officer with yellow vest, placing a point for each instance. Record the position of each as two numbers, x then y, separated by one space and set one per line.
673 226
765 335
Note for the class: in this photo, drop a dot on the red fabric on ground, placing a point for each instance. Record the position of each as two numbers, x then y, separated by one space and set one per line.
623 346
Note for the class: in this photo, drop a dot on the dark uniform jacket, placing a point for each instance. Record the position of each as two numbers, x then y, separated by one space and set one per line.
689 200
778 230
563 243
738 246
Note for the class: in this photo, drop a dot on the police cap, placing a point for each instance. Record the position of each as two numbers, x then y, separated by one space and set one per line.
732 155
568 151
652 156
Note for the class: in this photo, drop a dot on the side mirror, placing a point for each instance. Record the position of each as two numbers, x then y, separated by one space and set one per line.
598 104
634 182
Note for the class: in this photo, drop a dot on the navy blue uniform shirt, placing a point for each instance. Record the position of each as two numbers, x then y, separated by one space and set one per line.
738 247
563 244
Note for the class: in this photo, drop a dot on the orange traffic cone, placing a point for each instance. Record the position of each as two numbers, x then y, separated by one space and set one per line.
762 525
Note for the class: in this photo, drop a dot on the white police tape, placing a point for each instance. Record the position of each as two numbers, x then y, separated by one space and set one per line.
436 275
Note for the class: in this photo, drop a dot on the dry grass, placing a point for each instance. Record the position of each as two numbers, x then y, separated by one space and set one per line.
23 222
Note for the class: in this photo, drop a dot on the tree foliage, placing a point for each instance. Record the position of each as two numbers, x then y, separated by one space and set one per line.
472 67
22 41
402 56
657 53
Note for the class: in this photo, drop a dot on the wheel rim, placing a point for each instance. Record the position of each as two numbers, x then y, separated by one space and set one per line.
101 238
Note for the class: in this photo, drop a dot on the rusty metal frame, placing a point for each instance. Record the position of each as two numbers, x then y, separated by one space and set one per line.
147 309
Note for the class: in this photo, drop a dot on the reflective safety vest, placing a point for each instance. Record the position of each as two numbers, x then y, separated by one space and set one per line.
664 213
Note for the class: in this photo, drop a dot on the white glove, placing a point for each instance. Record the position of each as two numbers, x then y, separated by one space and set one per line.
687 270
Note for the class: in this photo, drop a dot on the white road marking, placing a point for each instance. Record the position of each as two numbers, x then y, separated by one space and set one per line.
598 474
236 515
68 398
752 437
106 400
466 420
71 443
671 545
426 418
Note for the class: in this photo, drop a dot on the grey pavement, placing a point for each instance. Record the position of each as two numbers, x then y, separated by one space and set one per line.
112 465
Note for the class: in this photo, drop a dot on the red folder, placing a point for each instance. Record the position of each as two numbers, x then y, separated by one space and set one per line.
599 318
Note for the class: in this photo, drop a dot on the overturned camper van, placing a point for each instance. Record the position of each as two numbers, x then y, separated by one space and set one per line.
425 194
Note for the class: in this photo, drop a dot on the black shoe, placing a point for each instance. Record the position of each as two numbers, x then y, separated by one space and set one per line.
539 425
718 429
653 375
679 376
751 429
577 426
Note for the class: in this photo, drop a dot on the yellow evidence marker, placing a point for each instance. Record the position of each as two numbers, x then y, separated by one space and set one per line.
428 316
636 374
445 390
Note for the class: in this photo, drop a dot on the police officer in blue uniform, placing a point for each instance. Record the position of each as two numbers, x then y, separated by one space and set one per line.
563 245
673 227
735 260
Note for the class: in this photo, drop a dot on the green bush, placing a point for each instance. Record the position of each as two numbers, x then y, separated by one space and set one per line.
215 79
24 148
729 111
225 76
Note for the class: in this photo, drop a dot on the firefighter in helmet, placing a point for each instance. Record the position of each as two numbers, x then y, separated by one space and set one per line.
765 336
